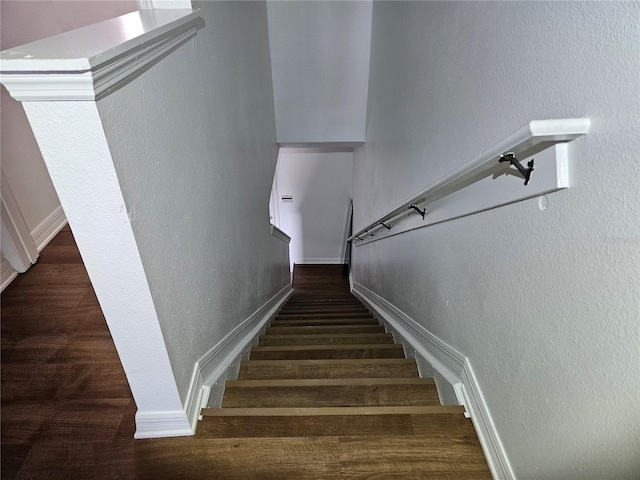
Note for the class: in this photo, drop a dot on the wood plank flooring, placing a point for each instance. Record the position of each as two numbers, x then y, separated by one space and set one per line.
63 387
67 410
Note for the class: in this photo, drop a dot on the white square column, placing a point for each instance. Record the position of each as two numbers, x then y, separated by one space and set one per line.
60 87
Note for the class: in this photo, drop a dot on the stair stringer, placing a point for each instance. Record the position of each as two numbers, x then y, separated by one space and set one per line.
212 367
453 366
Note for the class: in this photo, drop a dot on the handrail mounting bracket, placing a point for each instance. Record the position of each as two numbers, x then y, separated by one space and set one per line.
413 206
511 158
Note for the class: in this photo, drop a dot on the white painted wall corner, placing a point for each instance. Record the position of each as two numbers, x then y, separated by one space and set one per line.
452 365
18 247
213 365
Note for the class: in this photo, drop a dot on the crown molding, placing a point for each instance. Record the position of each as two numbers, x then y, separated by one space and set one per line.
91 62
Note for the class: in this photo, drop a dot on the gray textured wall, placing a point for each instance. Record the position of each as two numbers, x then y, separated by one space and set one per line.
545 304
195 153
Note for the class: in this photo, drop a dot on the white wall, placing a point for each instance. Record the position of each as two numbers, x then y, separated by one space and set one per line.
544 303
317 219
320 62
23 22
194 146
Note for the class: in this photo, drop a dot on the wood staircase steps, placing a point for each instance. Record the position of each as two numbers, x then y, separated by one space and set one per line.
330 393
335 421
321 302
325 322
385 457
300 316
360 368
313 352
339 329
326 339
322 307
328 384
326 313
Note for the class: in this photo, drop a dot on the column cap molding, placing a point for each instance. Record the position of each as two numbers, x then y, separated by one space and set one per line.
91 62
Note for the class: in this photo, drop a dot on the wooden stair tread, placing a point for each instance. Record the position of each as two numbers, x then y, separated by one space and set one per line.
301 330
305 348
311 352
315 369
302 316
324 311
327 339
322 308
323 393
331 411
324 321
322 302
321 305
315 458
335 421
326 354
314 382
332 363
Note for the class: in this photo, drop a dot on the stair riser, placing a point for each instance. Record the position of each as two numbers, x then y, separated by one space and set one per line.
322 309
323 303
325 300
266 372
283 340
300 316
333 353
329 321
330 396
339 329
329 298
329 311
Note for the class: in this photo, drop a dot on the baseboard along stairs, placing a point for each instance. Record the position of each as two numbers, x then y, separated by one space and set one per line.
328 391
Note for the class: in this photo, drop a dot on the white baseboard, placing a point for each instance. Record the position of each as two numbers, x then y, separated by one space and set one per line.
49 228
213 365
7 274
162 424
452 365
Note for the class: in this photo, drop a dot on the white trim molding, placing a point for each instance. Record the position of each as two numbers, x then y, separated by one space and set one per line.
7 274
212 366
162 424
453 366
49 228
105 56
18 246
276 232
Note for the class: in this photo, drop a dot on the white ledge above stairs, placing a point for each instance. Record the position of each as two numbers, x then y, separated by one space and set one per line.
91 62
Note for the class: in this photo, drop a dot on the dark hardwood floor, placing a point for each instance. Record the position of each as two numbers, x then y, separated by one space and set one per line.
66 402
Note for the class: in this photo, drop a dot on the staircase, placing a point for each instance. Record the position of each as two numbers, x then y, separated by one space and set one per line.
329 393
